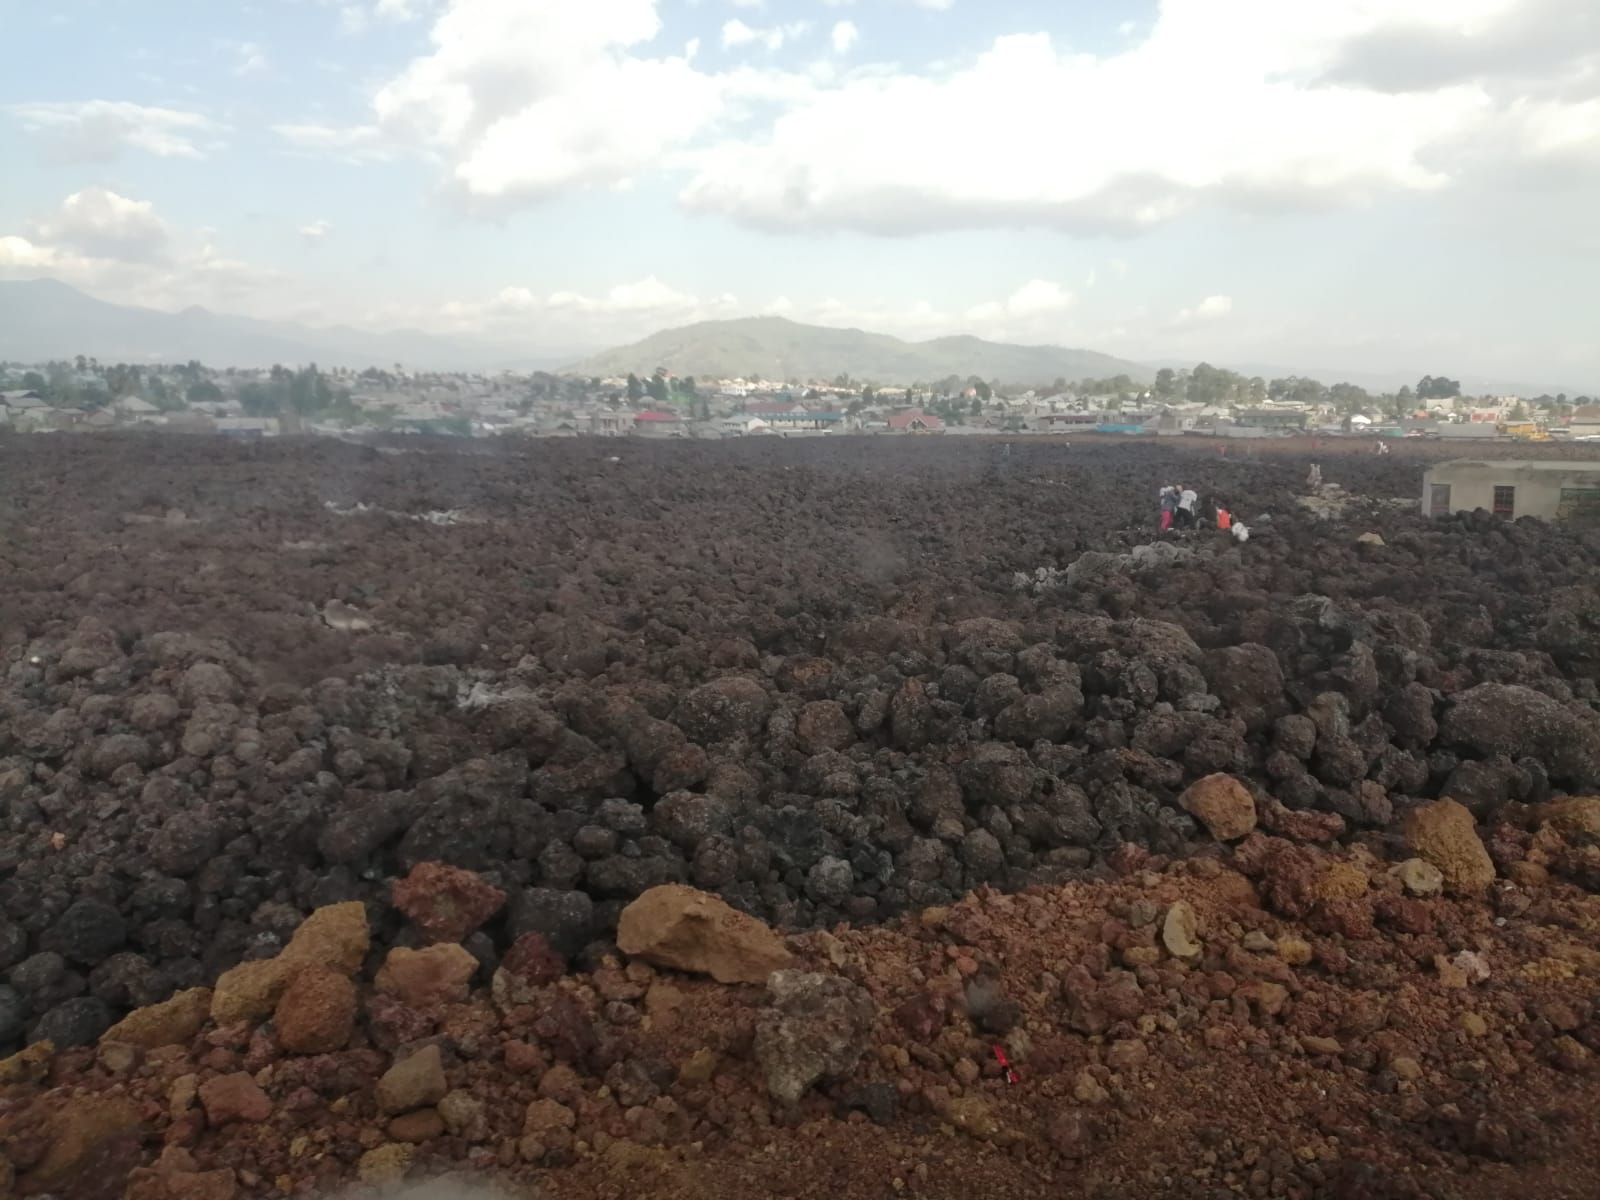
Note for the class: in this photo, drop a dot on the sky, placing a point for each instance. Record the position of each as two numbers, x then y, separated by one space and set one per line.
1377 184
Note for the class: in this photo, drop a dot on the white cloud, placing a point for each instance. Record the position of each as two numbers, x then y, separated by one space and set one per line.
1252 104
99 130
313 232
121 250
252 59
1212 308
358 143
103 224
736 33
646 295
525 98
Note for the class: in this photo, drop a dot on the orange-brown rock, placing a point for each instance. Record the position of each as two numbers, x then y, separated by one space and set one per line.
428 977
688 930
1445 834
1222 804
317 1013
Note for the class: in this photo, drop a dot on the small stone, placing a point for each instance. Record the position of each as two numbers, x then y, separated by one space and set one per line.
1069 1133
972 1115
1528 875
1141 956
1569 1054
1407 1068
28 1066
1450 975
417 1127
1321 1045
118 1058
173 1022
446 903
551 1123
1420 877
1294 951
1473 1025
76 1135
385 1164
414 1082
1258 943
317 1013
1127 1055
465 1116
429 977
1577 817
1371 539
699 1068
235 1097
1086 1089
1179 931
966 1071
1267 997
1222 804
1445 834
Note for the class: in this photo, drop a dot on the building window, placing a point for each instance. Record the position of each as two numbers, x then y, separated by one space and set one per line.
1505 502
1439 500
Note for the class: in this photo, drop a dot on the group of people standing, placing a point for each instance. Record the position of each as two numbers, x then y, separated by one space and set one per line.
1181 509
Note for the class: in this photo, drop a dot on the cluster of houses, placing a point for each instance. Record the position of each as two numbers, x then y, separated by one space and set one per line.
542 405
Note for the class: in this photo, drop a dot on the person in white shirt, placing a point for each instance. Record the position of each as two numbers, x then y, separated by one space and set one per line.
1187 500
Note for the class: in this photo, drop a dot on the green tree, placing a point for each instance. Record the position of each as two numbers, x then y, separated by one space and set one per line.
1167 383
32 381
985 393
1437 387
635 389
204 392
977 406
657 387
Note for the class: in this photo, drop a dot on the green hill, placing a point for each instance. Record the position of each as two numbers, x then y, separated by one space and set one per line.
776 348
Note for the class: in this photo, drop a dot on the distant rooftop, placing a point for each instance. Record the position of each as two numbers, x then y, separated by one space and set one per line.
1525 464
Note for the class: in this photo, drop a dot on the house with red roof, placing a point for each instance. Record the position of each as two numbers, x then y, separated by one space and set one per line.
914 420
656 423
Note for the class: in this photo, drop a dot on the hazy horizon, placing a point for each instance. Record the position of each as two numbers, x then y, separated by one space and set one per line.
1381 188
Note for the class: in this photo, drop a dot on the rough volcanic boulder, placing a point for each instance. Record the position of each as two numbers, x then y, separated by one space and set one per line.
446 903
730 707
688 930
1248 679
817 1027
1518 722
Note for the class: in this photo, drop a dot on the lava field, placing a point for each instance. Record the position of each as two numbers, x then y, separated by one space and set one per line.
828 680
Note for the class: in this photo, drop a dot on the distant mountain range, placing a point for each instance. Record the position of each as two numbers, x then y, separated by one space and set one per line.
777 348
42 319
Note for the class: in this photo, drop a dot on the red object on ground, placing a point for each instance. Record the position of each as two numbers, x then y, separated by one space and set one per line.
1224 519
1000 1057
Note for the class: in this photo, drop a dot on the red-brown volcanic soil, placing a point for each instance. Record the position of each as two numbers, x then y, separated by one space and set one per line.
944 702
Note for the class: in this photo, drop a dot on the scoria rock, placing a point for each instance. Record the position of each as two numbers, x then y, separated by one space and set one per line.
817 1027
235 1097
317 1013
446 903
413 1082
1222 804
1445 834
425 978
688 930
173 1022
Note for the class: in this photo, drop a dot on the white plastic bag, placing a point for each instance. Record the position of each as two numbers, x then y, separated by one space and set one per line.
1241 533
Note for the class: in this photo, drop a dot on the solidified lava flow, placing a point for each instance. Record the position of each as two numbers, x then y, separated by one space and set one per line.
830 682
